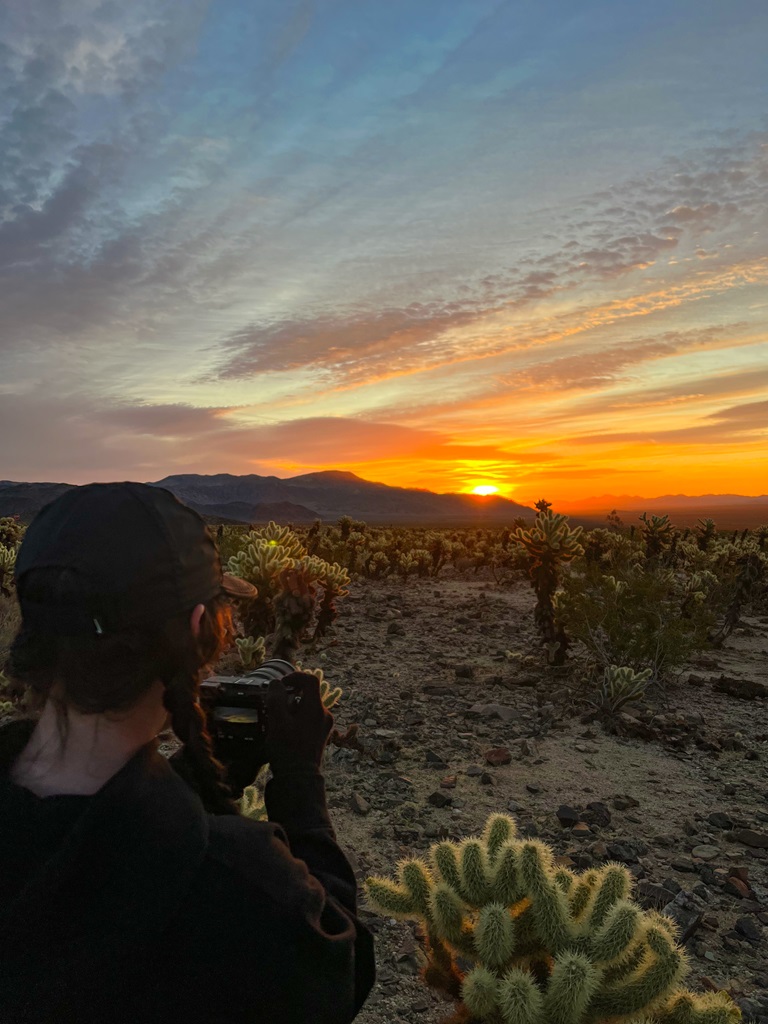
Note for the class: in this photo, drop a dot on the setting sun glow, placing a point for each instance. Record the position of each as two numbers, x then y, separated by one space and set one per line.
485 489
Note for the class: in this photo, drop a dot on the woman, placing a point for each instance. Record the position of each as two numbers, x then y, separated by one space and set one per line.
125 894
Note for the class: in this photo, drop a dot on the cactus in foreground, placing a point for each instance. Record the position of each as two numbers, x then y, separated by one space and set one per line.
542 944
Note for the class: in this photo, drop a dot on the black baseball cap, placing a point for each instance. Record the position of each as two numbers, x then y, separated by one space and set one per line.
140 555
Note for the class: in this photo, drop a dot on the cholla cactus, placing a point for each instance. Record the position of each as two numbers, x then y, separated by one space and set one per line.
7 565
657 533
252 651
545 945
550 542
11 531
290 582
620 686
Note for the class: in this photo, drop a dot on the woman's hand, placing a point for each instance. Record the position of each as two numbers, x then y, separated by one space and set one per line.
298 725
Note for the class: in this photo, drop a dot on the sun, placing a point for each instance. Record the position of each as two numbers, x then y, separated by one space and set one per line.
485 489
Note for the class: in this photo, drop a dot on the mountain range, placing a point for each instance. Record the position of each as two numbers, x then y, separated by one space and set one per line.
300 499
328 495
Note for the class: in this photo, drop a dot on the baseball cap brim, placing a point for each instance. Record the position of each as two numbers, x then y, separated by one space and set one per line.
236 587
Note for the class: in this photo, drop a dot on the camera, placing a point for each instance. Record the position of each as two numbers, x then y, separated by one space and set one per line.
235 709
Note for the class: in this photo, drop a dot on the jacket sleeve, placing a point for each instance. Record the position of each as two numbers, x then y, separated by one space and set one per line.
297 801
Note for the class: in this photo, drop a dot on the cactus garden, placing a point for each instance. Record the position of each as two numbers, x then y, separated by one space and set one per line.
550 762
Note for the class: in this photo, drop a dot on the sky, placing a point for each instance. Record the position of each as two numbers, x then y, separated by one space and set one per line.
512 243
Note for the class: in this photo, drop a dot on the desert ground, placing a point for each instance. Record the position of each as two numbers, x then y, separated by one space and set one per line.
430 672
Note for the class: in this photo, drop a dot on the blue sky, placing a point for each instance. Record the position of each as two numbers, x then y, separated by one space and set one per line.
439 243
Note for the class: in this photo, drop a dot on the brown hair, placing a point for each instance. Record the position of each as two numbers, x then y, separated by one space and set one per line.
113 671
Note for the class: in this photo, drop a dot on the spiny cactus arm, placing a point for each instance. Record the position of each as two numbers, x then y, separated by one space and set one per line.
689 1008
447 914
614 884
387 897
495 935
475 873
623 926
499 830
417 879
623 968
506 887
520 1000
580 895
549 910
480 992
445 862
655 978
572 984
329 697
565 879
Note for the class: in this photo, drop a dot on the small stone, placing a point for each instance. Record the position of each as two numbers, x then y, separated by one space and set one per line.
581 831
735 887
597 814
705 852
498 756
748 837
501 711
720 820
449 782
513 807
624 802
438 799
395 628
359 804
533 787
749 928
568 816
599 851
683 864
465 671
486 779
686 910
474 769
652 896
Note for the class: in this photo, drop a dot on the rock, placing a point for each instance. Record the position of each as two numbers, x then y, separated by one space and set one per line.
720 820
748 837
506 714
683 864
746 689
498 756
749 928
735 887
359 804
624 802
396 628
449 782
567 816
687 910
474 769
465 672
581 831
528 748
597 813
486 779
434 760
652 896
438 799
599 851
705 852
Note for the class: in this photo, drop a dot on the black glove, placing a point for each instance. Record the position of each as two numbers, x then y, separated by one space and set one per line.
297 731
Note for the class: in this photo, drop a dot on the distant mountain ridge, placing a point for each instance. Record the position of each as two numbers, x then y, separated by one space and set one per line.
627 501
325 495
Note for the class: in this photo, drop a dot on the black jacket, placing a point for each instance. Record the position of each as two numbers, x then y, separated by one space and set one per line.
135 906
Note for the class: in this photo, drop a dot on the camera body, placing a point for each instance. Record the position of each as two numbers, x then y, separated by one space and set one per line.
235 709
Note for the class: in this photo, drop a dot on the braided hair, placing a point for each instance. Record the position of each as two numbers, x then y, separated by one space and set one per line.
111 672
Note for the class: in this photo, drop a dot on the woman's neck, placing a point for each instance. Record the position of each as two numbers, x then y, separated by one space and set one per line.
96 747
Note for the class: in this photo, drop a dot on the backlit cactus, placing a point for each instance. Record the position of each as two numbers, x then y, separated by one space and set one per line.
7 565
540 944
550 542
620 686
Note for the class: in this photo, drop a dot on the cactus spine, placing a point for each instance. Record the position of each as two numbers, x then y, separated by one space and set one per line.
546 946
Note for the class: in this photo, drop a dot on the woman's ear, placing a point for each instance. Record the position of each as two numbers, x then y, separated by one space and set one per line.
197 615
